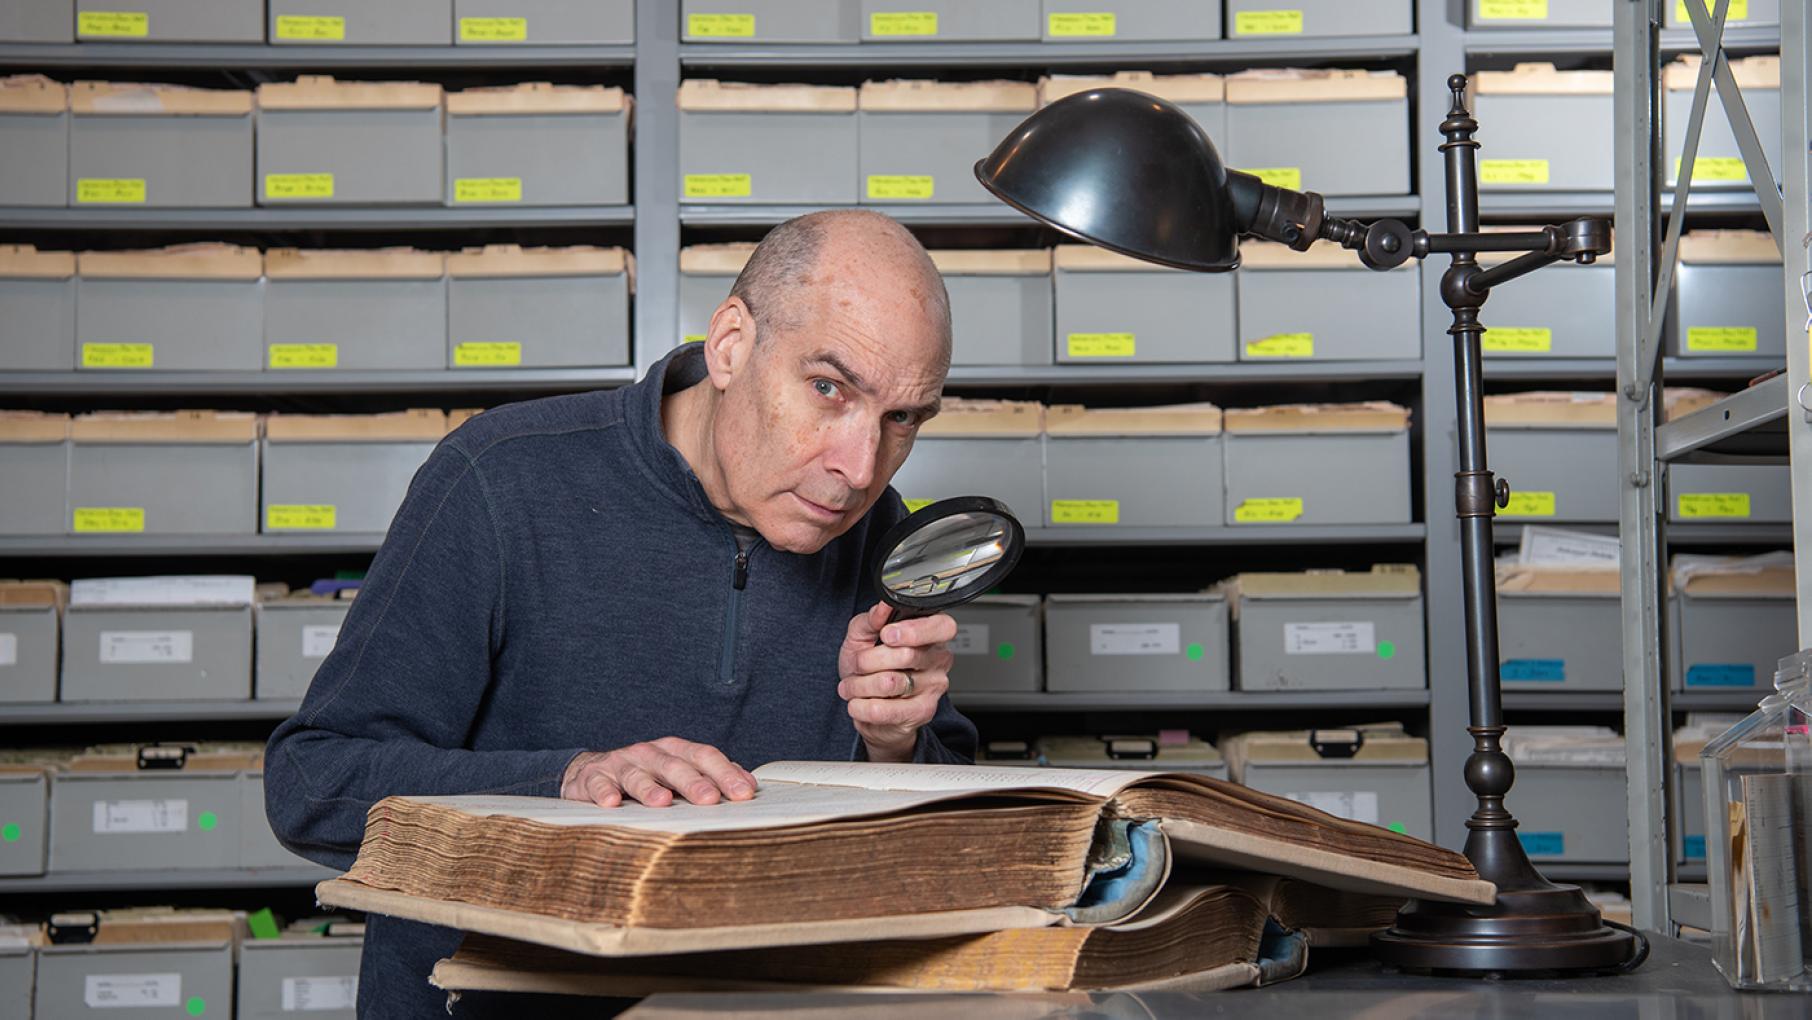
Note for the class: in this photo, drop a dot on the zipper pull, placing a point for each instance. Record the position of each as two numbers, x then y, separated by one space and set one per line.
742 569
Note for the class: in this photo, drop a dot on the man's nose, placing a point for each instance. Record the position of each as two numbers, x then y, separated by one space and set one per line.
854 449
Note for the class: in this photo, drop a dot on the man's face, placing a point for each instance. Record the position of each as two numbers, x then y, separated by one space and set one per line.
811 431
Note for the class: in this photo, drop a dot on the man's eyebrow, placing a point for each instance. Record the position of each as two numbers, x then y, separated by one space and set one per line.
924 411
830 358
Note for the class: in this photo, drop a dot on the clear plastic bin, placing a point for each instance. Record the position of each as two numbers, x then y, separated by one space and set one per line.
1758 812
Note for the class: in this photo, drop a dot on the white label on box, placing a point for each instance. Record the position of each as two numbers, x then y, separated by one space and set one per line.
125 991
1135 638
318 641
127 816
970 639
134 647
9 649
182 590
1357 805
314 994
1356 638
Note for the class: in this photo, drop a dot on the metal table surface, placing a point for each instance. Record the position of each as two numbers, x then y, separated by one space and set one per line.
1677 983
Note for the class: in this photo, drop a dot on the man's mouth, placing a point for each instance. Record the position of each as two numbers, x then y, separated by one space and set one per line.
819 510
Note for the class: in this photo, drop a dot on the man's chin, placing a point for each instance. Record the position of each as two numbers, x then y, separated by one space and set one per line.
803 538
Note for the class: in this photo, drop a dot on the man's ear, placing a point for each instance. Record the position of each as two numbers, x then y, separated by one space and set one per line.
729 342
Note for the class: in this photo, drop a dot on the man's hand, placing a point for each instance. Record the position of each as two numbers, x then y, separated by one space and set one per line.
653 771
893 688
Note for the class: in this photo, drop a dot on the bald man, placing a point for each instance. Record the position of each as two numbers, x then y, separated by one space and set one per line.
641 594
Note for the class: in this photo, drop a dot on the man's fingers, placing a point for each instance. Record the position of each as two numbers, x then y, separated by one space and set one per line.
874 685
866 628
678 775
889 659
929 630
641 784
602 790
731 778
892 711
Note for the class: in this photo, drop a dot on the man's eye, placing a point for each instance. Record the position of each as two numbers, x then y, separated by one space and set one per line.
903 418
825 387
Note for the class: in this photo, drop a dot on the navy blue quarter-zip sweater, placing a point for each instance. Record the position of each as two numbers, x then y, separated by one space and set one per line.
557 581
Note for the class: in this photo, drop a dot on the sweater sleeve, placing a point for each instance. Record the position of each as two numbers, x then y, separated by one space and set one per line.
390 708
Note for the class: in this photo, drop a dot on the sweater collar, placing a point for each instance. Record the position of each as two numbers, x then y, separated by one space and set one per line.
684 366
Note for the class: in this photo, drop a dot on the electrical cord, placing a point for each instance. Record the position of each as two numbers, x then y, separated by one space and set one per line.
1641 957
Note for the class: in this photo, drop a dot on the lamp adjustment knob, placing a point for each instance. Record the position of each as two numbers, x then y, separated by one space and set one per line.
1503 493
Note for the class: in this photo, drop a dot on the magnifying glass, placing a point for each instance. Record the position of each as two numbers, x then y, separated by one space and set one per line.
946 554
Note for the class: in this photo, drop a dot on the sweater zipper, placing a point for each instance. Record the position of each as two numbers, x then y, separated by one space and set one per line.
739 579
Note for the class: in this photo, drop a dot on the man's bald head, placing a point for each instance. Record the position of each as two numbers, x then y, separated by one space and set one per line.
787 262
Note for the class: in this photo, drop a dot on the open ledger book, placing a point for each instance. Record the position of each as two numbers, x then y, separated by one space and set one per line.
1217 931
839 852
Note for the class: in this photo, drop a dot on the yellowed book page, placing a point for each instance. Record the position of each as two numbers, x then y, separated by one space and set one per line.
958 779
776 804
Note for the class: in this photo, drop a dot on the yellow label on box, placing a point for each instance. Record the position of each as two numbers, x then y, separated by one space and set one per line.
1085 511
487 189
1739 10
721 26
1529 504
115 519
322 28
1729 339
1513 171
902 23
1282 345
1267 23
117 24
1714 168
913 506
487 353
1268 510
1714 504
1513 10
116 355
900 186
301 516
110 190
1518 340
298 185
719 186
1102 345
693 338
1279 176
493 30
304 355
1098 25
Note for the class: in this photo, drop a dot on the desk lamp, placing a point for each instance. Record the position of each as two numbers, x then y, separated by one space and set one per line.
1134 174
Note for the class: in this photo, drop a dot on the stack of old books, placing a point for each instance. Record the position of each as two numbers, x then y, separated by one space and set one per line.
898 876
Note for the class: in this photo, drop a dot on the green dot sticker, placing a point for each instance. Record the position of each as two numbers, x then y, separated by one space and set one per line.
1387 650
1006 651
1399 828
207 821
1194 652
196 1005
9 832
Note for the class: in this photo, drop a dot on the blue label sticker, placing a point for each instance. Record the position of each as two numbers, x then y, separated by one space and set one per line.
1721 674
1693 848
1540 670
1543 844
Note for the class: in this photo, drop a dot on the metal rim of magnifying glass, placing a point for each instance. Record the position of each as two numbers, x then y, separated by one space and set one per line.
1015 540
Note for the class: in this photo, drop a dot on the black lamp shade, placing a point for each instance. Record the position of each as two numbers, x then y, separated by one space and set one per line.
1123 170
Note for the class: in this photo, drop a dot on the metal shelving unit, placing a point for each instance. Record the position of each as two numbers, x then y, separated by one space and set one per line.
1046 701
1612 701
1234 52
1556 205
185 56
1697 533
1679 369
74 712
155 383
1242 372
373 219
1598 42
1755 421
171 878
988 214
